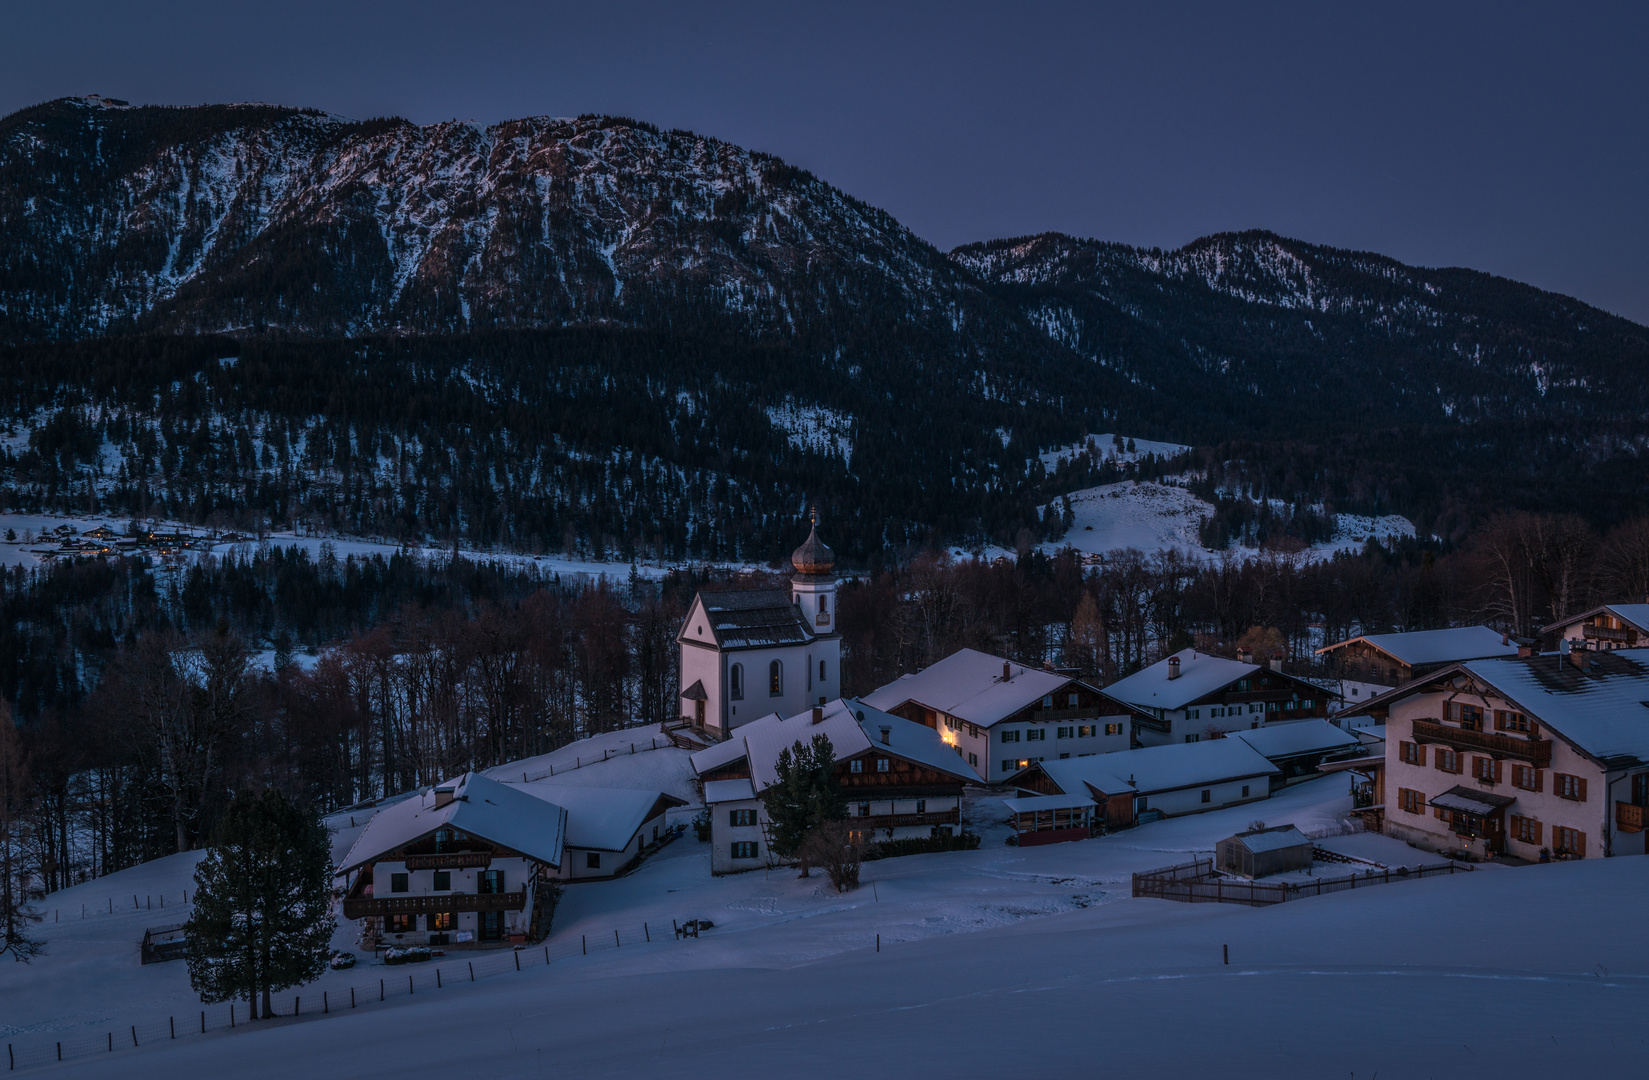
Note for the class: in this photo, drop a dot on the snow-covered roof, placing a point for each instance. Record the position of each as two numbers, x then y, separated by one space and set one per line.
1272 839
480 807
1159 768
1283 740
1047 802
968 685
852 728
1471 800
754 618
1636 614
1199 676
1600 707
1419 648
720 791
604 819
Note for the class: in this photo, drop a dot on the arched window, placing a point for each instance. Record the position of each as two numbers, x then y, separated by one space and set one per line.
775 679
735 682
824 603
821 671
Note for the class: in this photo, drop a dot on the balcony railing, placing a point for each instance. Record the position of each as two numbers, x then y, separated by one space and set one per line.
364 906
1629 817
895 821
1537 752
1605 633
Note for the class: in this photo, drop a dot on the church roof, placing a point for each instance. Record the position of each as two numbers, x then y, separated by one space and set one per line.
753 618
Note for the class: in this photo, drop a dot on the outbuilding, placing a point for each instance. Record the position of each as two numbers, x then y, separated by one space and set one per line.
1052 819
1259 853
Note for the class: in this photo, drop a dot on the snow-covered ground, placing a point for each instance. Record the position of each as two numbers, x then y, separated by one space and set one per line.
20 553
1106 449
1003 961
1043 943
1153 516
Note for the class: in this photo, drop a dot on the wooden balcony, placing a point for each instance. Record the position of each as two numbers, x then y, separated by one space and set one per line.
1605 633
897 821
1537 752
360 907
1629 817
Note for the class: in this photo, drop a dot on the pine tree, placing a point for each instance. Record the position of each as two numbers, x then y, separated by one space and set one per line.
804 797
15 913
263 904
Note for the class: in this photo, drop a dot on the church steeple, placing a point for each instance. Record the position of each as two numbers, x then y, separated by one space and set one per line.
813 584
813 558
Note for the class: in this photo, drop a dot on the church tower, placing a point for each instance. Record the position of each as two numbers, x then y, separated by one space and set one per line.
813 590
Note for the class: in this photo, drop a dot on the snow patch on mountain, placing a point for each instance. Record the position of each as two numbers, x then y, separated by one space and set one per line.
814 427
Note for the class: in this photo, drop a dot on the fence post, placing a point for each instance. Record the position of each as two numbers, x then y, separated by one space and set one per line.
1227 953
878 942
410 988
172 1020
649 934
111 1042
380 989
616 942
134 1034
231 1014
203 1021
584 941
546 954
326 1006
518 960
351 997
297 1006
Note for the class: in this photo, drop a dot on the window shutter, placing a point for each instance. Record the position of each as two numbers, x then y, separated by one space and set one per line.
1580 845
1580 788
1499 771
1537 827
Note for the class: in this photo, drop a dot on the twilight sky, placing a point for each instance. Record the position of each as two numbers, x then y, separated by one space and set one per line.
1509 138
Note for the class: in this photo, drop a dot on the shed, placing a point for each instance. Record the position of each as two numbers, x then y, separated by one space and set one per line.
1260 852
161 943
1052 819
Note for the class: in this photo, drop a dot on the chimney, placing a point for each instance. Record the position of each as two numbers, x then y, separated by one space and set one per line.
1276 661
887 734
1505 639
1007 671
1245 655
1173 667
818 714
443 796
1577 656
1526 649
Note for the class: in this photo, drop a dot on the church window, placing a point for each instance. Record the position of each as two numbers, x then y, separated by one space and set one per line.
821 671
735 682
775 679
824 604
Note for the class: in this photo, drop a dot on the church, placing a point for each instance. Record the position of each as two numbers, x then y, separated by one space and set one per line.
749 653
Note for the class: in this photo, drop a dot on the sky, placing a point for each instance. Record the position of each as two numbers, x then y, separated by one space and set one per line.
1505 137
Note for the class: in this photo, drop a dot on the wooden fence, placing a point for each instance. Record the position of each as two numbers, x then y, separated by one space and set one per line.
1197 883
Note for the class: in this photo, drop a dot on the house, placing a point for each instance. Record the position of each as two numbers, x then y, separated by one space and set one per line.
1607 626
1371 664
1157 781
898 777
1521 756
1298 749
1192 696
460 862
1259 853
607 828
745 653
1002 717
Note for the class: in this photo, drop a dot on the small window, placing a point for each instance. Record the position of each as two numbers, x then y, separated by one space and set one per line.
855 766
735 682
492 881
881 764
1193 738
1007 766
1410 753
1525 777
1411 802
1035 734
1565 786
864 809
397 883
592 860
973 759
821 671
921 806
443 881
1113 729
741 819
440 920
775 679
1568 841
1245 791
1048 702
1010 736
824 609
744 849
1073 700
1207 795
400 924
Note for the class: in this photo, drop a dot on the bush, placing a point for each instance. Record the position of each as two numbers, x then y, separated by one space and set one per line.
922 845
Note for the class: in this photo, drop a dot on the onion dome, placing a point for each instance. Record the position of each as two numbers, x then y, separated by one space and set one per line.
813 557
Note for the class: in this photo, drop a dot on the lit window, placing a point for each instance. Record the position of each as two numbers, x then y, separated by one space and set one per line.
775 679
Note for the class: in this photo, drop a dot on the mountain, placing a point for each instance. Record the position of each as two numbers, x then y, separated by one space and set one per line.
557 331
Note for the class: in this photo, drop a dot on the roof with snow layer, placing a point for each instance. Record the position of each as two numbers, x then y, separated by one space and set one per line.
1418 648
1603 707
604 819
754 618
969 685
852 728
1158 768
1291 738
1636 614
1199 676
482 807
